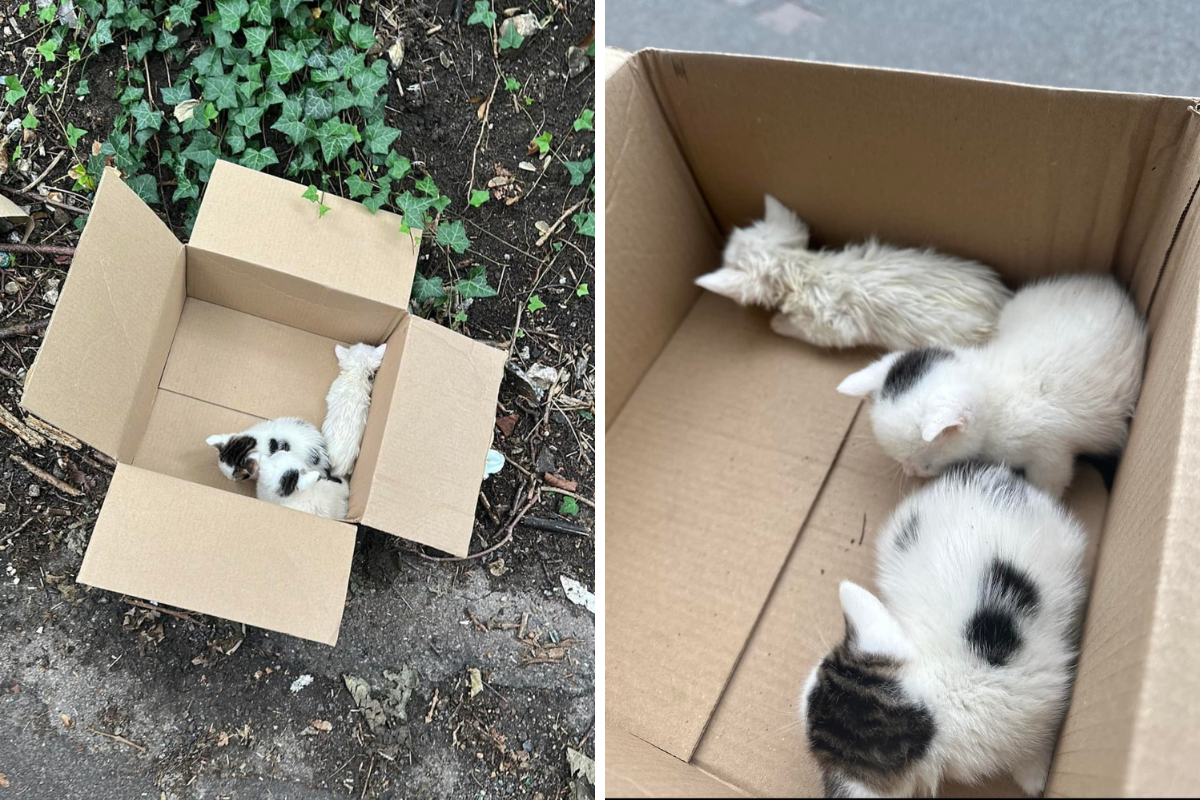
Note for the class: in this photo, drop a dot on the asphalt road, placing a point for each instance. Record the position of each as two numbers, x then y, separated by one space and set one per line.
1133 46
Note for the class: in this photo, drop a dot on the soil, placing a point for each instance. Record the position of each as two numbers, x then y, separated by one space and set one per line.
108 696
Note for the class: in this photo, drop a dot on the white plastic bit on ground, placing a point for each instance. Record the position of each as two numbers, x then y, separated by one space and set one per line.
301 682
578 594
494 463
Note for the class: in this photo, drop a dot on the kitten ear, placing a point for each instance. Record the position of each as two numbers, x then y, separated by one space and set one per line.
726 282
943 420
868 381
784 222
377 356
308 479
218 440
341 352
870 627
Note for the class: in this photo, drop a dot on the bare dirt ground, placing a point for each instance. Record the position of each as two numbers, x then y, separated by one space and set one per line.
104 696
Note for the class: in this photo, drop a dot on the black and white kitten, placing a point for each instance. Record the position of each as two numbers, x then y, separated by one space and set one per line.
234 450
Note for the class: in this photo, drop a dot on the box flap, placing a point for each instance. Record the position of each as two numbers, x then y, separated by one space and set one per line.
712 469
16 215
201 549
262 219
633 768
426 464
97 370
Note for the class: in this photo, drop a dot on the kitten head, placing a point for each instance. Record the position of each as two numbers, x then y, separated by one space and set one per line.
235 453
867 732
749 268
923 420
360 356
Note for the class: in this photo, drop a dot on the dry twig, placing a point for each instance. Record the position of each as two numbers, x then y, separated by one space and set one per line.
37 249
22 432
117 738
33 184
24 328
38 472
558 223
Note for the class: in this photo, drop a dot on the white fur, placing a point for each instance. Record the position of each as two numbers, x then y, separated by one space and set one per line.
863 294
347 404
314 494
303 438
1060 378
989 720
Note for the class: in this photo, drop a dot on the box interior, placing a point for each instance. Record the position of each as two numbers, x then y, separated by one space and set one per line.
741 487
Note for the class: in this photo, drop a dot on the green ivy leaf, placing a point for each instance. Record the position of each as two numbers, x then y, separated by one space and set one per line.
511 39
371 80
398 166
83 90
259 159
174 95
535 304
358 187
542 140
512 84
427 186
582 291
475 284
362 36
30 121
584 122
336 138
585 223
413 209
375 202
454 236
221 90
316 107
478 197
260 12
131 95
136 19
483 14
440 203
578 170
185 189
568 507
379 137
73 135
145 186
271 95
48 49
231 12
340 97
322 210
15 90
181 12
235 140
256 39
102 36
249 116
286 7
426 289
146 118
208 62
311 194
284 64
141 48
202 149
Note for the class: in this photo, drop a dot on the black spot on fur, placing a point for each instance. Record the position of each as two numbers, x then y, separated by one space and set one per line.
910 368
236 451
1006 594
1001 483
860 724
287 484
909 530
335 479
274 446
314 457
329 476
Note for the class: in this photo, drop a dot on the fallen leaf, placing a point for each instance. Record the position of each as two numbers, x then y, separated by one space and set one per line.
560 482
301 682
3 781
499 180
322 725
525 165
444 57
542 226
581 766
497 567
476 681
577 593
507 424
184 111
66 721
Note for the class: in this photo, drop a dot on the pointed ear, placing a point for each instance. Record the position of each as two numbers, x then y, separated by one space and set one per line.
341 352
866 382
944 419
379 351
377 356
784 222
726 282
308 479
871 628
218 440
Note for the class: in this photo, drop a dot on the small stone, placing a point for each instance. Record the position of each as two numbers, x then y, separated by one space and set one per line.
51 296
34 490
11 287
545 461
577 61
526 25
395 54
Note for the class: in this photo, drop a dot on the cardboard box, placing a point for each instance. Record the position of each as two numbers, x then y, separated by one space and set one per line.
741 488
155 345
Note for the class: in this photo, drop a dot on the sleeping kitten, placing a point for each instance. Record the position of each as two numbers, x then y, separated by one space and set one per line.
964 671
348 402
288 480
864 294
267 437
1060 378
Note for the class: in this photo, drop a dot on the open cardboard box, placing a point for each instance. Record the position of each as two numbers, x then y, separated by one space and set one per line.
155 345
741 487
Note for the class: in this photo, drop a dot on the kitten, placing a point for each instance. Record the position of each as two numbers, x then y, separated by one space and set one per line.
348 402
288 480
1060 378
864 294
964 671
267 437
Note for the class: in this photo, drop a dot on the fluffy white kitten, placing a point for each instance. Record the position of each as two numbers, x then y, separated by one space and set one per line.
267 437
347 404
288 480
964 671
863 294
1060 378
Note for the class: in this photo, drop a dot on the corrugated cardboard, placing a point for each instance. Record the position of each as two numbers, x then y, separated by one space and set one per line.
742 487
155 346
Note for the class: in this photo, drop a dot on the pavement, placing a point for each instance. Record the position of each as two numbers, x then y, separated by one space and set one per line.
1131 46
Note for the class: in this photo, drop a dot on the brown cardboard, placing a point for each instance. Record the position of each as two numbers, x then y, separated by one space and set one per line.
155 346
16 215
741 488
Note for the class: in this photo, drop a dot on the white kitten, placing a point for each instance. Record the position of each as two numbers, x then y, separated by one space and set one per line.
1060 378
267 437
347 404
964 671
288 480
864 294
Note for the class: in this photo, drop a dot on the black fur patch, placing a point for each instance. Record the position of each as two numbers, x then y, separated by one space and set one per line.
329 476
287 484
335 479
235 451
910 368
315 457
1003 486
909 529
1006 594
860 725
273 446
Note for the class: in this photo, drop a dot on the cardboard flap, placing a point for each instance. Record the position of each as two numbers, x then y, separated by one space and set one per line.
633 768
426 466
98 368
16 215
219 553
264 220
